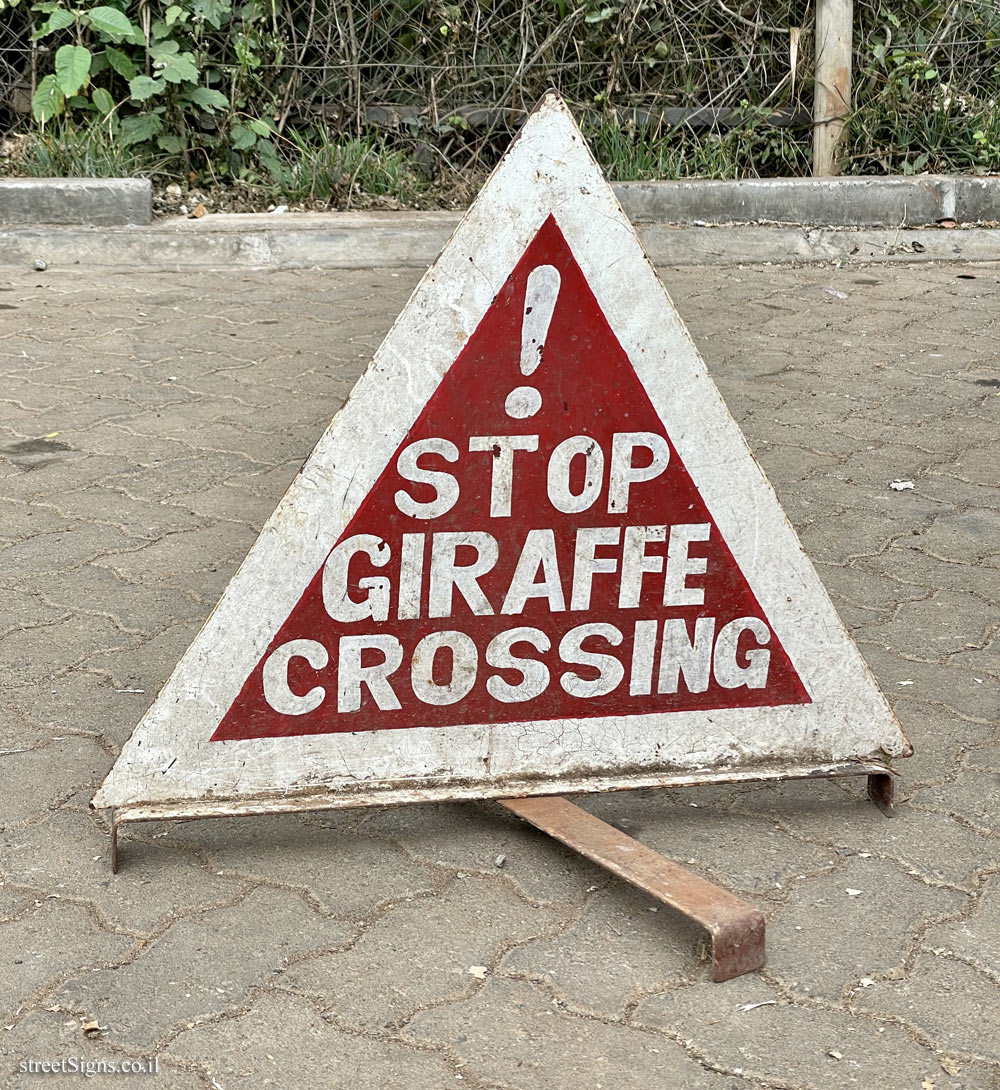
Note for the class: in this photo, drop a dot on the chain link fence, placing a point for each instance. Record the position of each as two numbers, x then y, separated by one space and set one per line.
661 85
448 60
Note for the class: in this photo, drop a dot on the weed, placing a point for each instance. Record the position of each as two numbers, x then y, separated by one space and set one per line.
82 150
313 168
753 147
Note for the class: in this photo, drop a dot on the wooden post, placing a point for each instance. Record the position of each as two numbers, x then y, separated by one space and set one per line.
832 97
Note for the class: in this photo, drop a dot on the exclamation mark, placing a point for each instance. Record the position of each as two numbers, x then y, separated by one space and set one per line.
540 296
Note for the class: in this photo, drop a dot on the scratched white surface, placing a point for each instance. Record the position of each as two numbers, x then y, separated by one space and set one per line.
548 170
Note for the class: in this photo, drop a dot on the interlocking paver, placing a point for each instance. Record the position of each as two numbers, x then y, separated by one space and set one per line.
67 853
971 796
204 965
44 945
934 846
469 839
622 945
853 923
134 667
282 1042
957 686
55 1036
77 701
973 937
737 1030
964 536
61 549
148 426
20 609
41 775
98 591
150 520
346 874
985 757
514 1035
952 1006
182 551
421 954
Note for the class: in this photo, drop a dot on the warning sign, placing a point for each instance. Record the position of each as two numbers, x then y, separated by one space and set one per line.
532 552
535 548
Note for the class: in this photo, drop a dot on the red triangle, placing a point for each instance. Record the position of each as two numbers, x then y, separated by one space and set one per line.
588 388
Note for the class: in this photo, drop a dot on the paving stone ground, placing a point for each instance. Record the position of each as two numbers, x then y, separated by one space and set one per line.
149 424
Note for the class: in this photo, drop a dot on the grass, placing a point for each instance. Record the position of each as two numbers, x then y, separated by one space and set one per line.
306 168
68 150
317 169
933 131
751 149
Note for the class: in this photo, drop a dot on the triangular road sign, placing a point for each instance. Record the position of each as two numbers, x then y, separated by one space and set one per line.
542 531
532 553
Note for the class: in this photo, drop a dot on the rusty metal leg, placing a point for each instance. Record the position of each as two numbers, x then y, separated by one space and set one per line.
114 841
880 791
736 928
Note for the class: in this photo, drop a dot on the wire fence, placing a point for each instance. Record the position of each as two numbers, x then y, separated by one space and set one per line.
443 60
17 62
317 60
461 76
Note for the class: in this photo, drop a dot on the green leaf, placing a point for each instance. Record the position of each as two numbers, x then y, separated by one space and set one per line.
171 15
48 100
162 50
72 68
261 128
212 11
143 87
139 128
111 22
120 62
170 143
242 137
179 69
207 99
272 164
60 19
103 101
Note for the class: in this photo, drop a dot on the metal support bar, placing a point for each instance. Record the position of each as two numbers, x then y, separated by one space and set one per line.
880 791
880 788
736 928
114 841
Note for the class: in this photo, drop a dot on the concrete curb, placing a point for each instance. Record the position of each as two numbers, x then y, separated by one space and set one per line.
350 240
845 202
101 202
